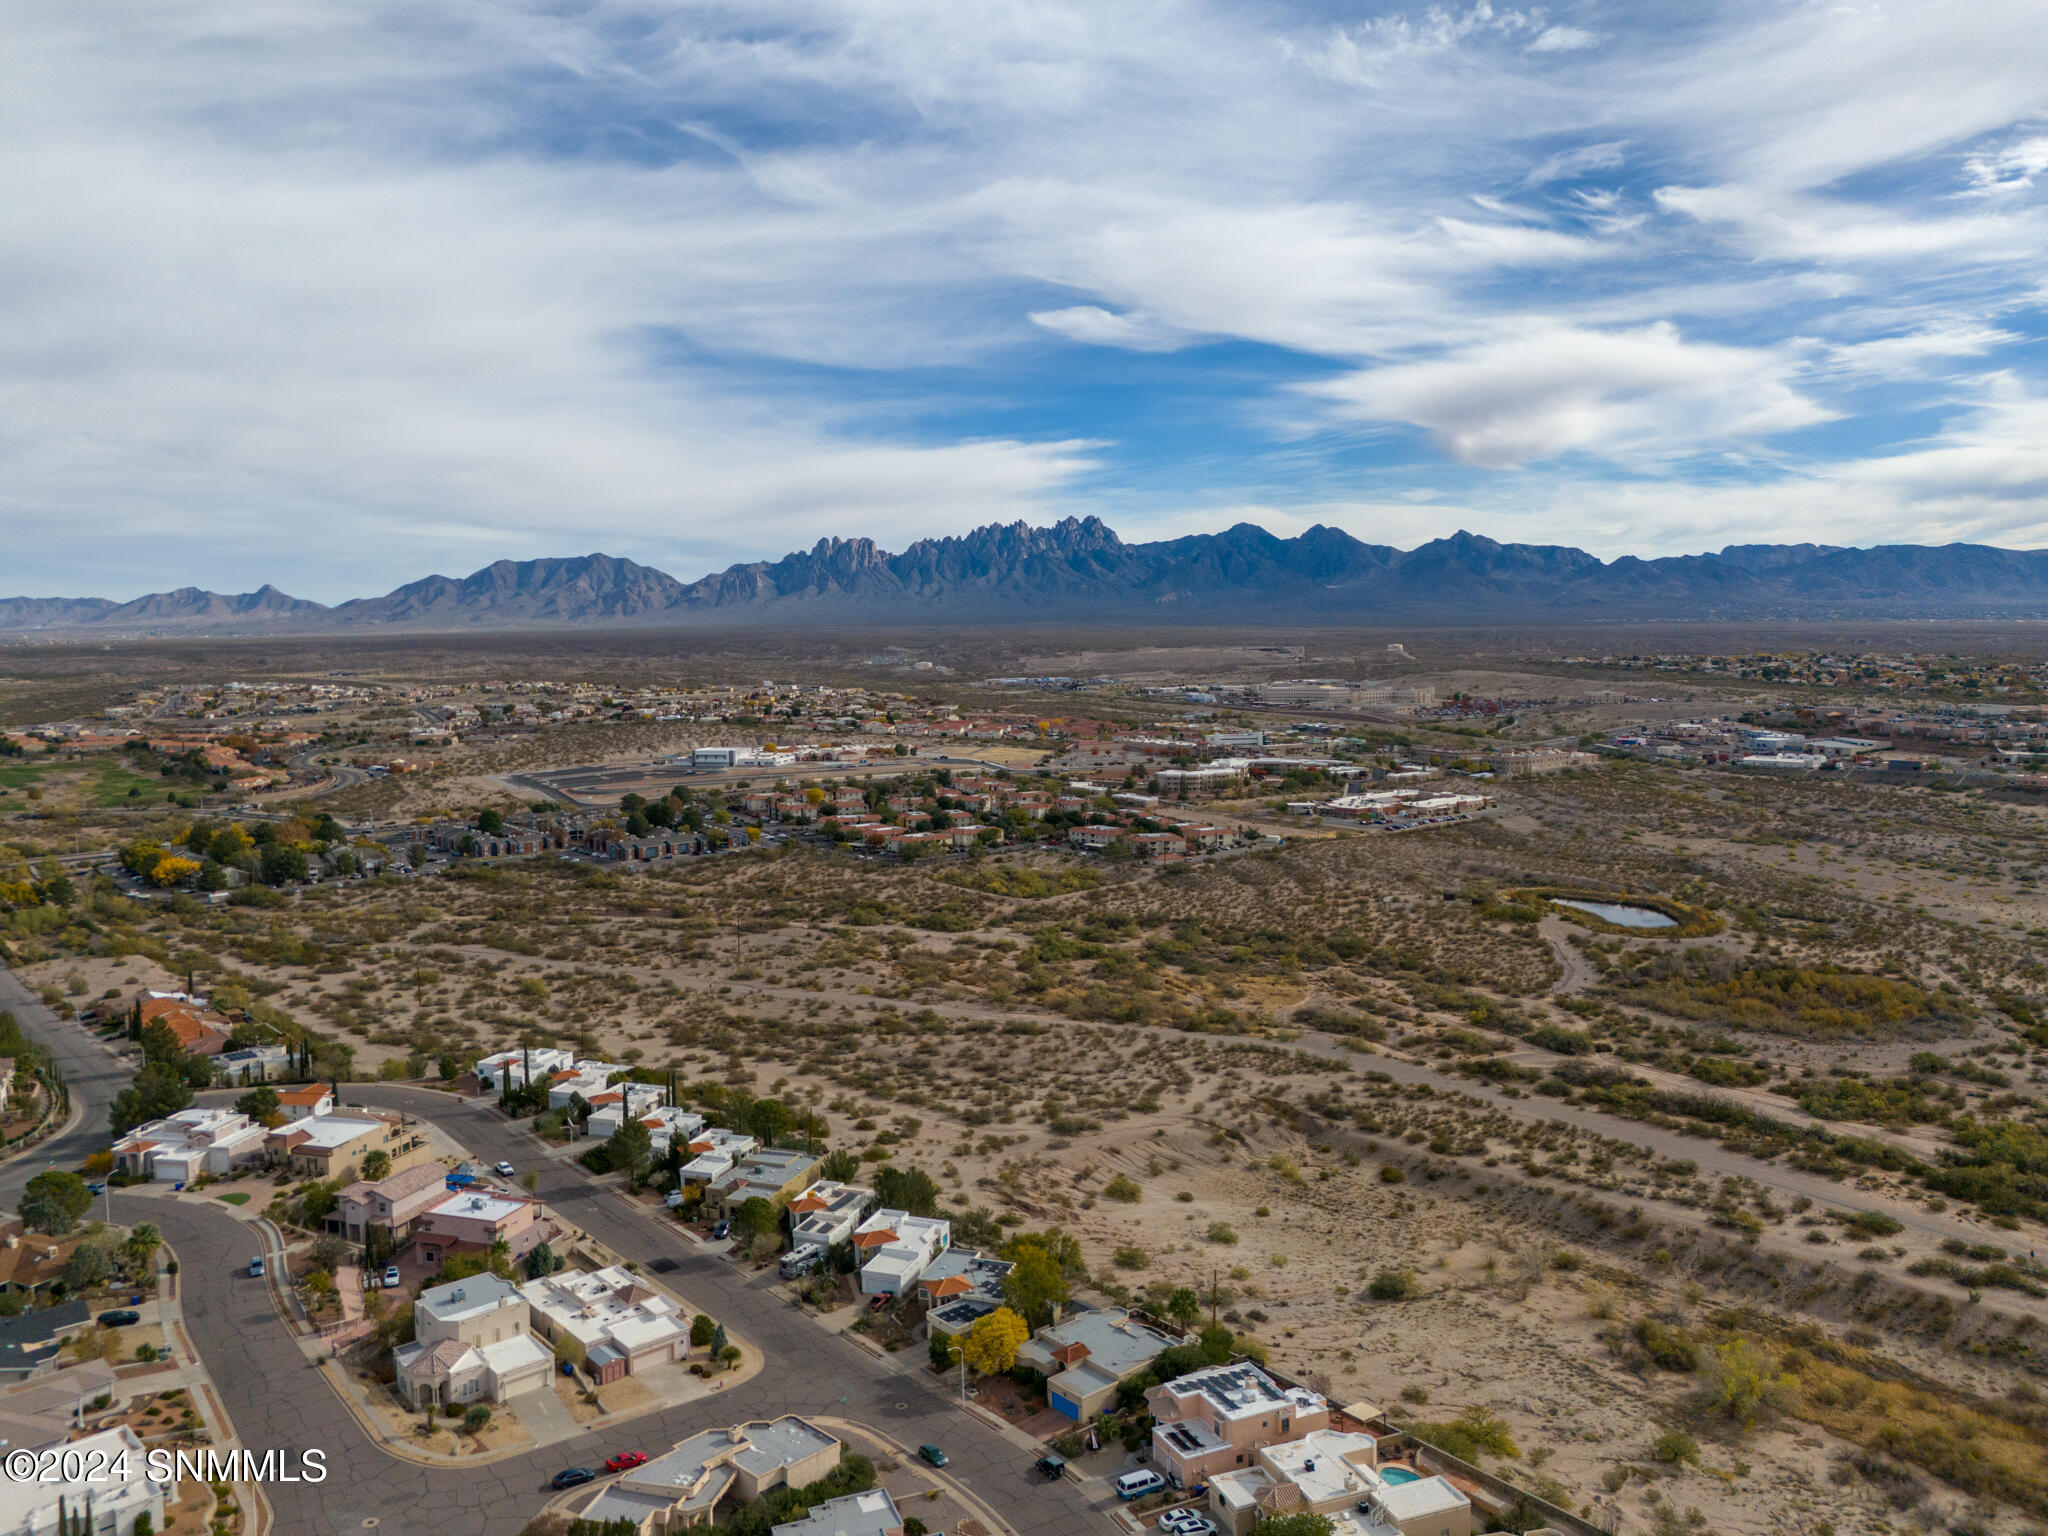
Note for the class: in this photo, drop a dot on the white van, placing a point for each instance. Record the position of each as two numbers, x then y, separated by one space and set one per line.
1135 1485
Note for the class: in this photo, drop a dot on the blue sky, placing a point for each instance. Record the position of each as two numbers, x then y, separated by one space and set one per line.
337 294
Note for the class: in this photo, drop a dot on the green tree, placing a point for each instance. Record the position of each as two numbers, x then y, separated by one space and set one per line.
701 1329
632 1150
376 1164
489 822
1300 1522
752 1218
1183 1305
259 1104
541 1261
282 865
87 1267
910 1190
158 1090
839 1166
1034 1286
53 1201
769 1121
140 1247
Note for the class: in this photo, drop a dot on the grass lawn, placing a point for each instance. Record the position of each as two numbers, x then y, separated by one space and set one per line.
236 1198
17 773
116 785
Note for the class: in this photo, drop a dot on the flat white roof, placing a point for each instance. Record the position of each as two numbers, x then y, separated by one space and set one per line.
476 1207
331 1131
1424 1496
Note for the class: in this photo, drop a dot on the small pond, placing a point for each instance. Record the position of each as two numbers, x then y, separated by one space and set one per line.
1622 917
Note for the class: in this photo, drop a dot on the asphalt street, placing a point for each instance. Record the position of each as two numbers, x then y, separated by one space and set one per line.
278 1402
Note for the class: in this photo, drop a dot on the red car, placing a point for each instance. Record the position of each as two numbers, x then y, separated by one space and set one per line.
625 1461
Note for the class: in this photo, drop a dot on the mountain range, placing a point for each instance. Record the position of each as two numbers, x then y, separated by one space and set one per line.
1079 570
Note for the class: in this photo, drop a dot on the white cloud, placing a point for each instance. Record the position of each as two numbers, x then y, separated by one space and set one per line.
2011 169
1636 396
1568 164
1563 40
1097 327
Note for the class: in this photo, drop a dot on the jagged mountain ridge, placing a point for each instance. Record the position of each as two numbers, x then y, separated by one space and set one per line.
1080 569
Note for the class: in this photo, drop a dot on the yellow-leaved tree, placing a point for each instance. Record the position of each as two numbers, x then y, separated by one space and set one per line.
991 1344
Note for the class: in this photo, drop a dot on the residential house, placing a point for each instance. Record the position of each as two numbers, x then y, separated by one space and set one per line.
894 1248
30 1507
472 1340
392 1204
609 1107
713 1154
825 1214
180 1147
471 1220
857 1514
665 1123
31 1260
961 1287
254 1064
1325 1471
30 1341
617 1322
44 1412
1087 1357
1211 1421
198 1033
506 1069
334 1146
684 1488
772 1175
586 1078
303 1103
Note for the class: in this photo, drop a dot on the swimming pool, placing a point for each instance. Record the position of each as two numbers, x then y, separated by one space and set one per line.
1399 1475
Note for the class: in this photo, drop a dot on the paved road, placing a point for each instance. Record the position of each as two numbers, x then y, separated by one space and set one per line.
278 1402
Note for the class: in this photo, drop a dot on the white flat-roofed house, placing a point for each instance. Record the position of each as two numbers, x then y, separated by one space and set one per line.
1323 1472
826 1213
472 1341
1429 1506
180 1147
506 1069
609 1107
713 1154
616 1321
29 1507
254 1064
666 1123
587 1078
895 1247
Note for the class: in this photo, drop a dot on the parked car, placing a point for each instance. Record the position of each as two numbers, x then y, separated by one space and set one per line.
721 1229
1051 1465
256 1267
625 1461
120 1319
96 1187
504 1170
572 1477
1186 1522
391 1276
932 1454
880 1302
1135 1485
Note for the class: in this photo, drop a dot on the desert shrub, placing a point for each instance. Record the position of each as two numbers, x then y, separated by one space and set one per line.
1471 1433
1669 1348
1394 1285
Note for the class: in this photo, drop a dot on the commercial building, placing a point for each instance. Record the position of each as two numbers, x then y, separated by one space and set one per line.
1211 1421
1087 1357
685 1487
472 1340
